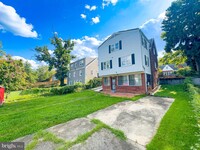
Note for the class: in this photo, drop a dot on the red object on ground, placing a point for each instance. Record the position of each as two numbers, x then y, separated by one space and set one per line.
1 95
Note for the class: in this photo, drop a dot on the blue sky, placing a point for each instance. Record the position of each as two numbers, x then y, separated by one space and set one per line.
27 24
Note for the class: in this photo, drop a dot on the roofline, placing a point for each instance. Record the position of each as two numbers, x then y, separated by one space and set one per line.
118 33
83 58
154 44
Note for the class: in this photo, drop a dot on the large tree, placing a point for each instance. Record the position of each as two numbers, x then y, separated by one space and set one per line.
174 57
60 59
32 76
182 30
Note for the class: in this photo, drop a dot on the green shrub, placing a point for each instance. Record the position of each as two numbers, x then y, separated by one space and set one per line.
94 83
194 93
35 91
186 83
185 72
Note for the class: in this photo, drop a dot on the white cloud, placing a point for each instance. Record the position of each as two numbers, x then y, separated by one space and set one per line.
161 53
90 8
12 22
108 2
83 16
152 28
50 52
95 20
86 47
33 63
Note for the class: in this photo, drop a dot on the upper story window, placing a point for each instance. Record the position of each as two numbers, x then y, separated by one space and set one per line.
74 74
144 42
69 75
127 60
75 64
146 60
81 63
115 47
92 72
72 65
106 65
80 73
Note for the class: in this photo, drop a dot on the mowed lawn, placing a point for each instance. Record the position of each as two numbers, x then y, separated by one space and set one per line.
178 129
20 118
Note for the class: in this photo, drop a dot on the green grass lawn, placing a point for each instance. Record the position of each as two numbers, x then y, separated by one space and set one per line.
19 118
178 129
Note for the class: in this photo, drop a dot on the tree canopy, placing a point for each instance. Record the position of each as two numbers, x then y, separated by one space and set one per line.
182 29
12 74
173 57
60 59
44 74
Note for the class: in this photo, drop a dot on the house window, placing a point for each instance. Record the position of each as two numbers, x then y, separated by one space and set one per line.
123 80
92 73
146 60
72 65
80 73
81 63
106 81
75 64
135 80
112 48
69 75
145 43
74 74
106 65
130 80
80 81
115 47
126 61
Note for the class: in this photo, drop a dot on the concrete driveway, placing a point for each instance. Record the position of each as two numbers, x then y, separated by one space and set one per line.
139 121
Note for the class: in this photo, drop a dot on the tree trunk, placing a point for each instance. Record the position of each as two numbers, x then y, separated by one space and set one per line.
198 67
62 83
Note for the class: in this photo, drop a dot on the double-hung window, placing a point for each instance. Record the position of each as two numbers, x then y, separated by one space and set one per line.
106 81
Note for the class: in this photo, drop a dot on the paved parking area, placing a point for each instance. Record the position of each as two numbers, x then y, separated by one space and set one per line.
139 121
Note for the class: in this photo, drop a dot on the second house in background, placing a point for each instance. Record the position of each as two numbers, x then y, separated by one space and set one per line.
83 70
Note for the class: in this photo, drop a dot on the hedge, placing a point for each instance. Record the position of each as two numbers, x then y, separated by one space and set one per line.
194 93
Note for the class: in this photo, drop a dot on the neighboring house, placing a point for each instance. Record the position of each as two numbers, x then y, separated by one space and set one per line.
168 70
126 64
83 70
154 63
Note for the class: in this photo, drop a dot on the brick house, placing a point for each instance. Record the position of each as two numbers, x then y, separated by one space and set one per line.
126 64
83 70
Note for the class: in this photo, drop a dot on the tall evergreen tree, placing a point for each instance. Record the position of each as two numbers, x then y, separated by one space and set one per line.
182 30
60 59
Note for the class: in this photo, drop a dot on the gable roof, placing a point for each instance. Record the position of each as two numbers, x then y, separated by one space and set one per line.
173 66
117 33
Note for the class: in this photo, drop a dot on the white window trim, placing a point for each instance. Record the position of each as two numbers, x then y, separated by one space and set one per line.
126 64
128 80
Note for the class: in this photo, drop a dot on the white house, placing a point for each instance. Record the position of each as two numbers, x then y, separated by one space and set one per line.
168 70
124 62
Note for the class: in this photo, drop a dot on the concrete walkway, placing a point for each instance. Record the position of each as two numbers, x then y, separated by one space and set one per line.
139 121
